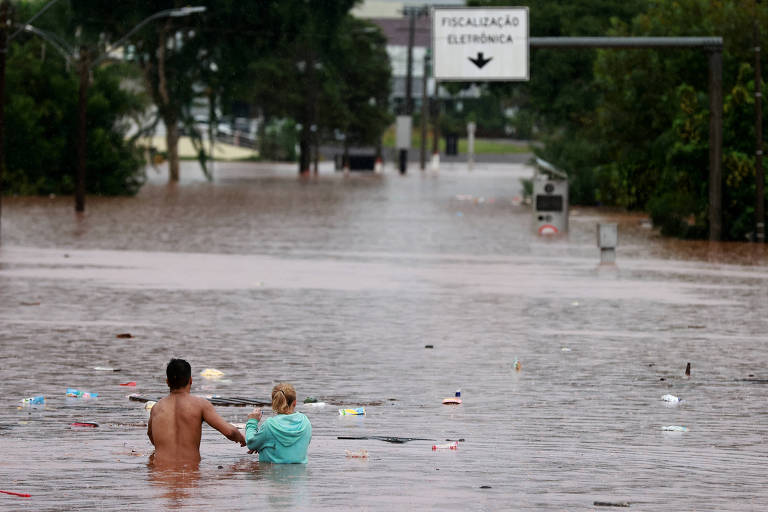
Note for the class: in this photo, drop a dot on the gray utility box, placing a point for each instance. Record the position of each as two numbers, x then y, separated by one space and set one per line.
550 199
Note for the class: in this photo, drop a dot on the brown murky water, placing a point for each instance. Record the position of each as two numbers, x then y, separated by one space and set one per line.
337 286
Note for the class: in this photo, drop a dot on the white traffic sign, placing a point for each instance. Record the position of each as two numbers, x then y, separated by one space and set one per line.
479 44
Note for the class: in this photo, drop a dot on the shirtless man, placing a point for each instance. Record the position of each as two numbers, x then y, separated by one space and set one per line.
175 422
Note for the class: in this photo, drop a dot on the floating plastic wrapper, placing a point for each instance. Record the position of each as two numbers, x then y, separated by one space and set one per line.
35 400
359 411
446 446
76 393
211 373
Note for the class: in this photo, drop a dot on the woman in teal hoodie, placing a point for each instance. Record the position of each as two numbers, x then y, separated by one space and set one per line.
283 438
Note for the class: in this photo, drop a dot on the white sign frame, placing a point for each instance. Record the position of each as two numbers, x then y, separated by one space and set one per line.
441 52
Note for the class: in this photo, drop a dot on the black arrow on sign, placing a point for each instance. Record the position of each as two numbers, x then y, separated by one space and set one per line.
479 61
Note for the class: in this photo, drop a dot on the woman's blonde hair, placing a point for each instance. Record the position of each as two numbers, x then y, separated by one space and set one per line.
283 395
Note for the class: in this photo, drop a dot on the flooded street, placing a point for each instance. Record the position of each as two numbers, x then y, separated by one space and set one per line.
336 285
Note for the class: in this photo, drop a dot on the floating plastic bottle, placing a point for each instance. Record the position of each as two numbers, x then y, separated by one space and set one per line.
674 428
455 400
446 446
359 411
35 400
76 393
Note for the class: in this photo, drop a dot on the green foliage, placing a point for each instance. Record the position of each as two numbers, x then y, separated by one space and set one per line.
652 125
41 128
279 141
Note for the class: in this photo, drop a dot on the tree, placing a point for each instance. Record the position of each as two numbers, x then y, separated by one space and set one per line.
651 128
41 108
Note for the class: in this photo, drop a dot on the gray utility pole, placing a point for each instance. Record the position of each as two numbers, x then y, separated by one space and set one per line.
759 176
714 47
424 112
4 14
409 77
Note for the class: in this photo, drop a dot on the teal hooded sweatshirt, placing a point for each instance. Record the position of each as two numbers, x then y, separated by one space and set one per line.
282 438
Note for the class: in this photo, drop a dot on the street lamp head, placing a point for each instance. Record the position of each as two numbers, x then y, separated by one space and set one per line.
186 11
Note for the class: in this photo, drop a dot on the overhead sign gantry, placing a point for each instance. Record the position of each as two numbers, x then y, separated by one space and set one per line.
482 44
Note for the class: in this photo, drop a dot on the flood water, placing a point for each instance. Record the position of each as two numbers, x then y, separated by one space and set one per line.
337 285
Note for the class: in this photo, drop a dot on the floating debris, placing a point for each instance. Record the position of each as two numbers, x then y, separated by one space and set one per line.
674 428
611 503
565 349
19 494
310 400
486 487
518 366
76 393
359 411
455 400
215 400
386 439
445 446
149 405
211 373
25 303
132 384
670 398
360 454
429 346
688 370
35 400
105 369
84 424
316 404
124 335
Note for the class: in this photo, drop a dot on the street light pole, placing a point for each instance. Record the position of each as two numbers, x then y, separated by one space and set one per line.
424 112
4 8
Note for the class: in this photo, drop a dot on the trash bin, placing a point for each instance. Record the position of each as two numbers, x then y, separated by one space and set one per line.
451 144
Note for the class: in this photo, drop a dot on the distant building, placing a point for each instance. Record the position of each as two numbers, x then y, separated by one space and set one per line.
392 20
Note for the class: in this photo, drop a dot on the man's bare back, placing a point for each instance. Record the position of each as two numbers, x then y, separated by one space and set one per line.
175 427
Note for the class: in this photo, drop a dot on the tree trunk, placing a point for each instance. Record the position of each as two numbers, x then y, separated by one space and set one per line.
170 117
304 149
172 145
82 105
316 156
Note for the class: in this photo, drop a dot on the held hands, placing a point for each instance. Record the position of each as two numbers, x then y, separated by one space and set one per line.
238 437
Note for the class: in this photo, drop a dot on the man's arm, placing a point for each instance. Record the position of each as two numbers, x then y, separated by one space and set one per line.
212 418
149 428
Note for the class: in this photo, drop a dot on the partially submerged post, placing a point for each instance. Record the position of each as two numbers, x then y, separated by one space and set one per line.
607 240
471 126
